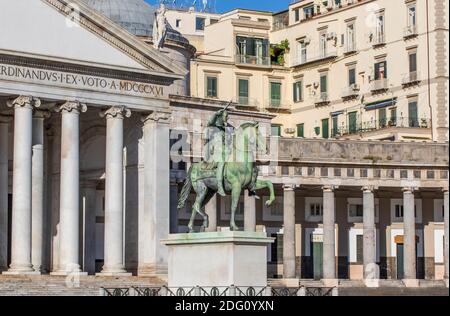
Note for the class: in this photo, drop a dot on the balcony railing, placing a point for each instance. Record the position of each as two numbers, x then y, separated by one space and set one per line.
411 78
350 48
410 31
379 39
276 105
309 58
350 91
379 84
253 60
247 102
322 97
380 124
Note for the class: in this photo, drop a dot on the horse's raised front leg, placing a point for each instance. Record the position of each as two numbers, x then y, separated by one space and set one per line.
262 184
235 197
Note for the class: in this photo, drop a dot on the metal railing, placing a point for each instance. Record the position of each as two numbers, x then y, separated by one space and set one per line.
350 48
246 102
410 30
301 60
253 60
276 104
411 77
379 84
374 125
350 91
322 97
379 39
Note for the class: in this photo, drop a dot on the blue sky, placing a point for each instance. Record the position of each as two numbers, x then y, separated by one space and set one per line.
227 5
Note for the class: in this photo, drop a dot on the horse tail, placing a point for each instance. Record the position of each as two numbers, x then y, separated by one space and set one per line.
186 190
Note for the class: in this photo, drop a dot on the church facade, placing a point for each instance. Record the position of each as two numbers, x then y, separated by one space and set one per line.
98 129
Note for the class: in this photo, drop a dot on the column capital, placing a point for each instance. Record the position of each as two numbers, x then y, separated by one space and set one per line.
330 188
290 187
369 188
41 114
157 117
72 106
409 189
24 101
117 112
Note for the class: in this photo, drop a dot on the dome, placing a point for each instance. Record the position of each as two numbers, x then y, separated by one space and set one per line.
136 16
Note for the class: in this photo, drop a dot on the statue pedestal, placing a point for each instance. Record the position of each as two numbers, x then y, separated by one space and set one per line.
218 259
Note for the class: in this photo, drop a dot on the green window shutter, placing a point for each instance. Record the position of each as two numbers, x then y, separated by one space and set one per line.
335 126
412 113
325 129
298 93
382 117
351 76
301 130
323 83
211 87
243 91
276 130
352 122
275 93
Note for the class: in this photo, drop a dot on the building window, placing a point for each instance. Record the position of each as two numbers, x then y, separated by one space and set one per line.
412 16
301 130
380 70
382 118
316 209
178 23
335 127
393 119
412 114
200 23
379 33
298 91
352 127
243 91
302 52
355 210
412 57
323 83
351 76
308 12
359 249
297 15
325 128
275 94
276 130
323 45
351 46
399 211
211 87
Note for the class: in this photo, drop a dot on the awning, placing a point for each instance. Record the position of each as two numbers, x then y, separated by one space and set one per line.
380 104
333 114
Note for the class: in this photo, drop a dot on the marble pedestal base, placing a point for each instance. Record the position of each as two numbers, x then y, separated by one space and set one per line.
21 273
217 259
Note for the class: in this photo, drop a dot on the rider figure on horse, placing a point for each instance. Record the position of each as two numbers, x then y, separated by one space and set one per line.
218 153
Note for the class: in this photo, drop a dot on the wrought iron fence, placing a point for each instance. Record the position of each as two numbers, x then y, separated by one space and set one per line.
248 291
286 291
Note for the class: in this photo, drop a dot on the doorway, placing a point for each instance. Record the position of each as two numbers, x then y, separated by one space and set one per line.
317 256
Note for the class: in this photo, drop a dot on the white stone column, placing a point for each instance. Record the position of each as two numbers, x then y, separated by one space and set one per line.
69 220
446 232
89 191
37 196
409 223
329 235
249 212
211 210
21 213
371 269
154 222
4 153
289 232
114 212
174 207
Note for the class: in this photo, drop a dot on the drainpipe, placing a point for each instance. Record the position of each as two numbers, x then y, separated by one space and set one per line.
428 65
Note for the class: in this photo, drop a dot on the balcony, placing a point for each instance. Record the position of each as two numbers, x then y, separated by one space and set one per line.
275 105
379 85
410 79
378 40
350 92
410 32
350 49
253 60
308 59
247 103
322 98
381 124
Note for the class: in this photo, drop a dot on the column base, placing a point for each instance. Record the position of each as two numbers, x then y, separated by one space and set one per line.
114 274
372 283
446 283
68 273
330 282
411 282
17 272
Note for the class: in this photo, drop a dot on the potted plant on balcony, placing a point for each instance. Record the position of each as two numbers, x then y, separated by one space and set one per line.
278 51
